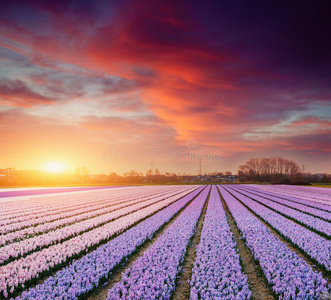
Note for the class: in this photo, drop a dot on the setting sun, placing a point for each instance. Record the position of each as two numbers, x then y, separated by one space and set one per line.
55 167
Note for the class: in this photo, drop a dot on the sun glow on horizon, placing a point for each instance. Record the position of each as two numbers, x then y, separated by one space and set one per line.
55 167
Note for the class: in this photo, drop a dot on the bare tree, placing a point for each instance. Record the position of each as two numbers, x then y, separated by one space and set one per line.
271 169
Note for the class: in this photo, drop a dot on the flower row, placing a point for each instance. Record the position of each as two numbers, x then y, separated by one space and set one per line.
36 205
317 247
319 225
216 272
289 276
311 195
52 237
153 275
299 206
92 269
27 268
99 210
67 207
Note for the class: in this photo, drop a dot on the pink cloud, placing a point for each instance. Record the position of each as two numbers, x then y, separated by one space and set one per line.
17 93
195 87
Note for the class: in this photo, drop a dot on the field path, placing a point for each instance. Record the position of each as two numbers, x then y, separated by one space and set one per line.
256 279
290 245
182 290
102 292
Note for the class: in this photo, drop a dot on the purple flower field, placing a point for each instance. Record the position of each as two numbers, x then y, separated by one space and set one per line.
69 245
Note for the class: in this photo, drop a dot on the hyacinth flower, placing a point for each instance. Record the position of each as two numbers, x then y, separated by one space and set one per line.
288 275
44 224
50 208
322 226
318 197
42 261
216 272
52 237
89 272
317 247
69 210
153 275
301 206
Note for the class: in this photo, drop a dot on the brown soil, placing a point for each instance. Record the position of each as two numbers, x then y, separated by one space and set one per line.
102 292
322 234
43 277
294 248
182 286
257 282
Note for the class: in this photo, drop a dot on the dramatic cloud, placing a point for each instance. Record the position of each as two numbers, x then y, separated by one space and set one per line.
17 93
244 77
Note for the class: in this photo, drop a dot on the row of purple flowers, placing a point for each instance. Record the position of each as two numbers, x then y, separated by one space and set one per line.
48 223
317 247
302 207
216 272
20 271
67 206
21 210
315 223
20 248
52 237
84 274
153 275
288 275
321 201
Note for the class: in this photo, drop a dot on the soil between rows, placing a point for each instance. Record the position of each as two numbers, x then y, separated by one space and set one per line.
40 248
46 274
182 285
257 282
299 252
320 233
101 292
283 196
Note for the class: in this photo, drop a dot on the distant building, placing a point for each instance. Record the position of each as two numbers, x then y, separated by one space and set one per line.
208 178
6 172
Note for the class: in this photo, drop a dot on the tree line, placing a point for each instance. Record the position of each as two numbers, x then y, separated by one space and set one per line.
269 169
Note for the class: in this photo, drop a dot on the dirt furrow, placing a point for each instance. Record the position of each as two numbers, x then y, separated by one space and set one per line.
101 292
46 274
294 248
182 285
322 234
256 280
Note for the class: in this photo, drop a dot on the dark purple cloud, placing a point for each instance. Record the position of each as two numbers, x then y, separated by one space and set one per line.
17 93
235 73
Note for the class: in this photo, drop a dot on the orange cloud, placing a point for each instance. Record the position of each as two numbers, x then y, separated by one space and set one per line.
17 93
197 79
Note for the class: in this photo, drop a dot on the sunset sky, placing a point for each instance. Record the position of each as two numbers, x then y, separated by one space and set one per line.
104 84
